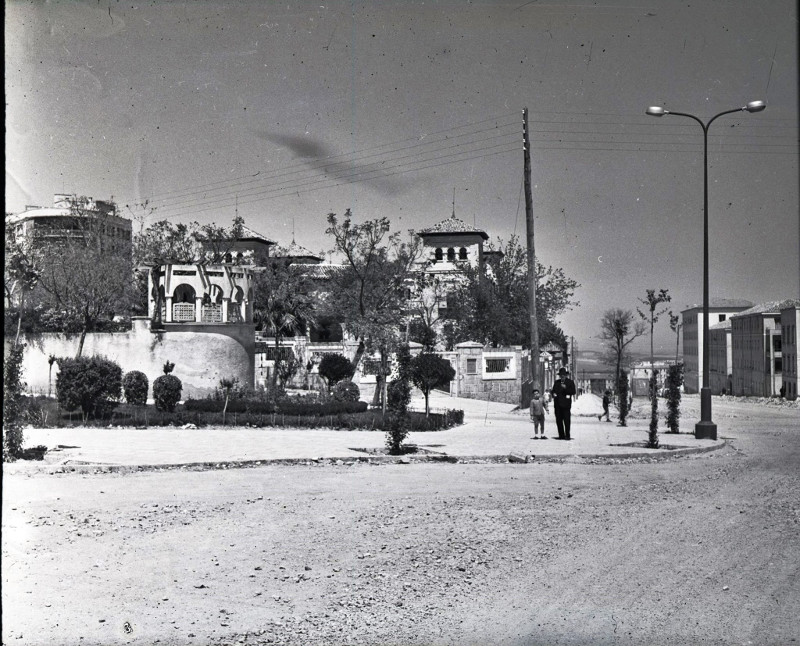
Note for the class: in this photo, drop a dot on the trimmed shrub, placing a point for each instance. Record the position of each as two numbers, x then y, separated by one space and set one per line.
333 368
135 384
346 391
12 403
88 383
167 392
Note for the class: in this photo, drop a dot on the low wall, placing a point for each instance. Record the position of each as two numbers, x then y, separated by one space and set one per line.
202 354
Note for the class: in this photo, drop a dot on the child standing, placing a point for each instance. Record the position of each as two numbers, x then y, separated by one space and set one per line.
538 409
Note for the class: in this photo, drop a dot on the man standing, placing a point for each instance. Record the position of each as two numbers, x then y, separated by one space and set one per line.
563 390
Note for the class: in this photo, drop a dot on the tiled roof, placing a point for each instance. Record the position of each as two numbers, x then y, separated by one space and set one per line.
722 325
295 250
250 234
453 225
770 306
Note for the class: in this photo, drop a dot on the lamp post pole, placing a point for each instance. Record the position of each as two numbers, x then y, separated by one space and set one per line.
705 428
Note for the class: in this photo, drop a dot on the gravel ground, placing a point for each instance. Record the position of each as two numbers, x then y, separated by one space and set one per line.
696 550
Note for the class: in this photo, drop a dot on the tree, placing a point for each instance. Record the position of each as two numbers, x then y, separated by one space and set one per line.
617 331
650 315
87 274
674 383
369 293
20 275
491 303
334 368
13 406
675 325
399 391
284 301
429 371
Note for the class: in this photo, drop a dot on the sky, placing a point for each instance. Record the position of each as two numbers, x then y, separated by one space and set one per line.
284 112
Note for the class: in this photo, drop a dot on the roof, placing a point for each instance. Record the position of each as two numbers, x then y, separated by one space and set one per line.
722 325
250 234
723 304
295 250
770 307
452 225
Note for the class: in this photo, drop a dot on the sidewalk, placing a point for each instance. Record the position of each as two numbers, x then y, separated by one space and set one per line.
490 431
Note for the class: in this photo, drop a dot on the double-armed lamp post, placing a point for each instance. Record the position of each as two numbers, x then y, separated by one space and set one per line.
705 428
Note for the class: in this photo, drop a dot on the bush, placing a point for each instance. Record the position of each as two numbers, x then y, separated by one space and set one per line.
167 392
652 437
12 403
346 391
88 383
399 391
622 394
396 432
674 383
135 384
335 368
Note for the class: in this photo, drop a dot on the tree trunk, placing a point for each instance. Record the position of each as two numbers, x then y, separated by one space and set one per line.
427 408
155 273
19 315
82 339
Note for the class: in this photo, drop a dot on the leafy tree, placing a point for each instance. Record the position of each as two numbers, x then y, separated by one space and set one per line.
429 371
369 293
425 311
286 367
88 383
617 331
334 368
650 315
491 304
284 301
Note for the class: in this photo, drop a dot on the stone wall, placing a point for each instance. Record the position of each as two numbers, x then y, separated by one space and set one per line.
202 354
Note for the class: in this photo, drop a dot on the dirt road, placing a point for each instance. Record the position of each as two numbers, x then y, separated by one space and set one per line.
696 550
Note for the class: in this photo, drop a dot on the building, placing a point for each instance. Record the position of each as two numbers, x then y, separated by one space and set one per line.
451 244
72 217
692 326
721 360
757 349
790 316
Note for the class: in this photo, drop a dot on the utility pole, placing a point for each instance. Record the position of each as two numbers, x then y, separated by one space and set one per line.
531 252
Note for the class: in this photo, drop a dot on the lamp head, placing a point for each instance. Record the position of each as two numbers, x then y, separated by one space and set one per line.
656 111
755 106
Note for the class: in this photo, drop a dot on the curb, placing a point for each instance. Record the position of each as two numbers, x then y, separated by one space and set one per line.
505 458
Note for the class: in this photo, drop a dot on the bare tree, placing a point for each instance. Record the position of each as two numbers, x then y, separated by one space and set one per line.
85 270
618 329
650 315
20 274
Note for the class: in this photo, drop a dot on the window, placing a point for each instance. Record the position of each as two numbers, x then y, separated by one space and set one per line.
472 366
451 254
722 317
462 254
496 365
438 254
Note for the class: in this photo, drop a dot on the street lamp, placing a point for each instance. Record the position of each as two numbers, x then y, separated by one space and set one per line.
705 428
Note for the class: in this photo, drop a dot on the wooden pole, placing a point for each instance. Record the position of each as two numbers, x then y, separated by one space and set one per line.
531 253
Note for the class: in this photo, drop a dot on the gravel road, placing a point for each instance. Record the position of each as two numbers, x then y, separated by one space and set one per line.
701 549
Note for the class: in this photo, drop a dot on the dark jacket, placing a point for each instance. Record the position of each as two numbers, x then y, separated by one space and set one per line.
563 391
